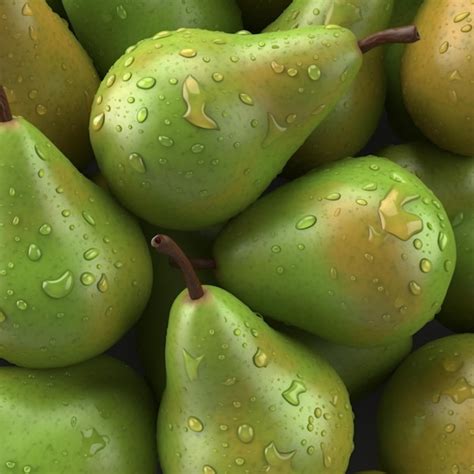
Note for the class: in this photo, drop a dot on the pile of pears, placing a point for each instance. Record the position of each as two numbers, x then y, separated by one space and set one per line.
265 208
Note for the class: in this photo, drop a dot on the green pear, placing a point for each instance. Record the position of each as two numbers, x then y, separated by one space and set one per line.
257 14
190 127
437 75
94 418
352 122
75 270
404 12
166 287
108 27
359 252
361 369
426 415
451 178
240 397
49 78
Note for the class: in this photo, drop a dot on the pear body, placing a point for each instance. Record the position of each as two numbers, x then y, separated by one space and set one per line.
107 28
75 269
451 178
48 76
437 75
233 382
186 140
352 122
92 418
426 412
404 12
258 14
321 252
166 287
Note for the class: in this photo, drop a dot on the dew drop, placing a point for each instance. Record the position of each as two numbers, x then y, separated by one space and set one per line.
87 279
246 99
88 218
196 105
245 433
314 72
60 287
415 288
142 115
136 163
195 424
293 393
306 222
260 359
188 53
425 265
34 253
103 284
98 122
146 83
91 254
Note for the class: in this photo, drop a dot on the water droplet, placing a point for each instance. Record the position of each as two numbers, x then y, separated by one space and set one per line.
415 288
466 28
142 115
448 265
137 163
278 68
450 428
26 10
418 244
444 47
103 284
276 249
98 122
290 118
195 101
188 53
191 365
218 77
110 80
239 461
461 391
22 305
370 187
3 317
361 202
274 131
260 359
121 12
146 83
442 241
333 197
276 458
91 254
245 433
34 252
452 364
59 287
93 442
314 72
246 99
195 424
293 393
208 470
292 72
306 222
327 460
425 265
88 218
461 16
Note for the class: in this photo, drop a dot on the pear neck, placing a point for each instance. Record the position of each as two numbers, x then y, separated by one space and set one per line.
403 34
167 246
5 112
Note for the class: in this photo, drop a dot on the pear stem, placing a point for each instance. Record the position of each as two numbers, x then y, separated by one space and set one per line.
198 263
5 112
403 34
167 246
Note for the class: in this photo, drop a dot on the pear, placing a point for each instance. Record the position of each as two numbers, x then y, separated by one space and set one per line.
75 270
426 413
49 78
359 252
108 27
240 397
186 140
95 417
451 178
354 119
438 73
257 14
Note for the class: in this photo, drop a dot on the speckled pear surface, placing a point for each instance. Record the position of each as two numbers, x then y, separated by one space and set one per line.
94 418
426 413
354 119
49 78
257 14
75 270
359 252
451 178
438 73
107 27
190 127
241 397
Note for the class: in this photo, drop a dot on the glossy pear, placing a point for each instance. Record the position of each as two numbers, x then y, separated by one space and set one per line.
241 396
48 76
186 140
359 252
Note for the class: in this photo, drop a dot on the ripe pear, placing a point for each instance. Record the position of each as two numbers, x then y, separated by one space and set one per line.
352 122
75 270
241 397
359 252
404 12
451 178
426 414
108 27
361 369
49 78
95 417
437 75
257 14
186 140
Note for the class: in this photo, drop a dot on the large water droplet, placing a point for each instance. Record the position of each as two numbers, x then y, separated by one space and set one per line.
461 391
293 393
191 365
196 103
34 252
93 442
188 53
103 284
195 424
314 72
146 83
276 458
442 241
137 163
59 287
245 433
425 265
260 359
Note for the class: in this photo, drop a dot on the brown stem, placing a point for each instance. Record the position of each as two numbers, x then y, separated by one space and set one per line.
198 263
5 112
167 246
403 34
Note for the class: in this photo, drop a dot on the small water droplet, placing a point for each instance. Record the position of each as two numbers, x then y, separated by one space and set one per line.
208 470
146 83
137 163
34 253
333 197
275 457
292 72
293 393
442 241
88 218
277 68
98 122
260 359
93 442
87 279
276 249
26 10
91 253
245 433
425 265
415 288
444 47
188 53
306 222
142 115
314 72
246 99
195 424
103 284
418 244
218 77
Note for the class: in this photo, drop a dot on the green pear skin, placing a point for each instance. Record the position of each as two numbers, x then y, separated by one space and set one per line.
359 252
352 122
93 418
48 76
190 127
361 369
404 12
75 270
451 178
426 413
258 14
438 74
240 397
167 285
107 28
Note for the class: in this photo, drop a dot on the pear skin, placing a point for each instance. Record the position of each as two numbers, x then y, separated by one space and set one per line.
186 140
352 122
108 27
359 252
93 418
437 75
48 76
